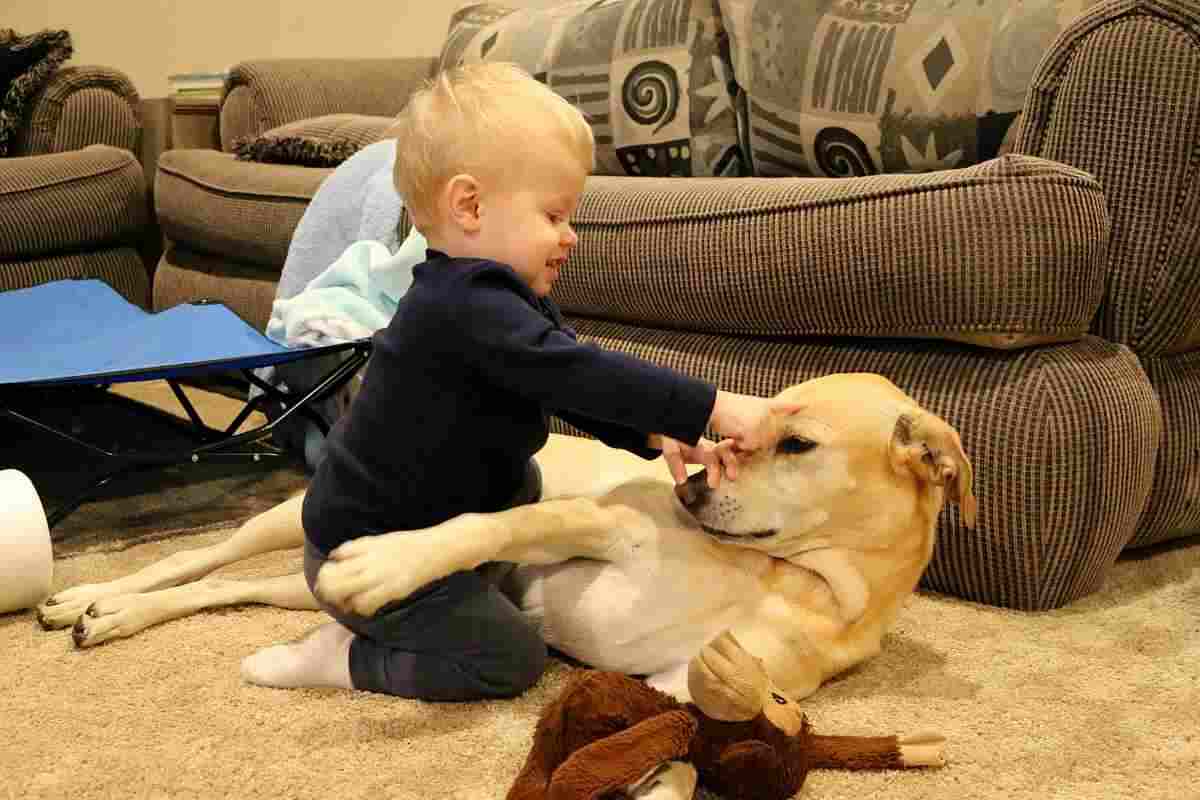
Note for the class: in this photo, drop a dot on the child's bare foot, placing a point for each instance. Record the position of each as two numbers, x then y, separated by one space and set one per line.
321 659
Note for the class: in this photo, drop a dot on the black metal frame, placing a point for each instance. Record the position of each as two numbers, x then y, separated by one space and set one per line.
214 443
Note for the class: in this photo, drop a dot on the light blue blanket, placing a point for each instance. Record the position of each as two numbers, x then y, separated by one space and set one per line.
345 271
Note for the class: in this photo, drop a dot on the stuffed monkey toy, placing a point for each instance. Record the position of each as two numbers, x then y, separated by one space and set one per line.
608 735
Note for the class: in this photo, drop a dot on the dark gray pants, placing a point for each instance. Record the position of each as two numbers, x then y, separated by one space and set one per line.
458 638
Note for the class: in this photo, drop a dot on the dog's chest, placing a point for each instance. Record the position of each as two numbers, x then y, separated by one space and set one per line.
643 616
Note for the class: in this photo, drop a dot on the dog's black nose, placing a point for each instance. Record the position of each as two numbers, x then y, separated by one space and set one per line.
694 490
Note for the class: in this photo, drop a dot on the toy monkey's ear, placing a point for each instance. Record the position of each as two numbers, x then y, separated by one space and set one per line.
925 446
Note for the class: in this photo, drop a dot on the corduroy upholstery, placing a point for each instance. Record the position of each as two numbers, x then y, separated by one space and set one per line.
1097 105
1044 303
81 106
260 95
73 194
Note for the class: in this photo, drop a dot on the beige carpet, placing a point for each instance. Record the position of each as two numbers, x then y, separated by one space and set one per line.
1098 700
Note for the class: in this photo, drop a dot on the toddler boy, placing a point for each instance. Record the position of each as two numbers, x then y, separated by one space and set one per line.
491 165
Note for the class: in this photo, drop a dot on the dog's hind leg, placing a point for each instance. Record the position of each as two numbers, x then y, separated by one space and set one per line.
278 528
124 615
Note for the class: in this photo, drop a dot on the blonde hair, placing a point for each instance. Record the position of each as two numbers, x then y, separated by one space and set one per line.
471 119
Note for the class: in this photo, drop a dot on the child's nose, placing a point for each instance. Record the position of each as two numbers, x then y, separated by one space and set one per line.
569 238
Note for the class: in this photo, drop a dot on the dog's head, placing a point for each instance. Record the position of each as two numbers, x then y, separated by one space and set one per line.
853 462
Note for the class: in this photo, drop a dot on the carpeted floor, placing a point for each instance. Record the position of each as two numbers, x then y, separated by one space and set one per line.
1098 700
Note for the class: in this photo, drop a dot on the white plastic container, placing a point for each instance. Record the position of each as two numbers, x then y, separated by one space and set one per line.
26 555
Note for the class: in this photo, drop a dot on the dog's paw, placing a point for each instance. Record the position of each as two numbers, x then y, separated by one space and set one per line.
62 609
110 618
365 574
726 681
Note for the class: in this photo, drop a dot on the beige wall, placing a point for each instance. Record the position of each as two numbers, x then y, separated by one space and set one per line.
151 39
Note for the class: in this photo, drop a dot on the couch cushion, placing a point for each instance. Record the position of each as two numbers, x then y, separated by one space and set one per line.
184 276
651 75
1006 253
849 88
324 141
64 202
121 267
217 204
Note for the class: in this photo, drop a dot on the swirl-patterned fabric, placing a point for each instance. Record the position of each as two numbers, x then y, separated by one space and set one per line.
653 77
840 88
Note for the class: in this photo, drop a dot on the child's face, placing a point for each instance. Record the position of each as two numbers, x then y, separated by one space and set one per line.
527 224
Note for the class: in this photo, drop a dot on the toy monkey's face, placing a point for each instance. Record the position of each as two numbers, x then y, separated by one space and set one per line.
783 713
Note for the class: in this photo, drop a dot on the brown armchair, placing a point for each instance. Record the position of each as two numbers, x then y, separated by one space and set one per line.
73 197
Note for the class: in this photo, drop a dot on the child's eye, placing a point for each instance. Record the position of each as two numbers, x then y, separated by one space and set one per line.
554 218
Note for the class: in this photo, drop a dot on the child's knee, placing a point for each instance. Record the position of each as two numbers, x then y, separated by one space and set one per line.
522 665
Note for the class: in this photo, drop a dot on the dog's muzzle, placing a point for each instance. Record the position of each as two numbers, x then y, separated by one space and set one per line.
694 494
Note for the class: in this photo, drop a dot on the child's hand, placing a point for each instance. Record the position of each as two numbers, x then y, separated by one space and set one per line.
745 418
716 458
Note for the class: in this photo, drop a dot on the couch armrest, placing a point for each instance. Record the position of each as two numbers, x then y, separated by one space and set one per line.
1117 95
81 106
260 95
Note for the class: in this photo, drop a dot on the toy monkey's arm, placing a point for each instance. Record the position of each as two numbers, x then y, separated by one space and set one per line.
876 752
618 760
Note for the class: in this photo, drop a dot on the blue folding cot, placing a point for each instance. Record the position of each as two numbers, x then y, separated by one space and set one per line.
82 332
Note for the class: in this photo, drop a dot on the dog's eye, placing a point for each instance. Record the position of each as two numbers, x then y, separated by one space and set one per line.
778 698
794 445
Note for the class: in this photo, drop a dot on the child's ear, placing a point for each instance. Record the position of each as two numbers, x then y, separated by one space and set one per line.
462 197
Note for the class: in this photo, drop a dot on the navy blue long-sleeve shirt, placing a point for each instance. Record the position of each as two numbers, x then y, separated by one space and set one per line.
457 398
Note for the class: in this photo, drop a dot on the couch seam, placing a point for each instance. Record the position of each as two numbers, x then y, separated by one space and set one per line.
274 197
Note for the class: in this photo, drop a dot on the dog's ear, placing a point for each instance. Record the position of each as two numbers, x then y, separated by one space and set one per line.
924 445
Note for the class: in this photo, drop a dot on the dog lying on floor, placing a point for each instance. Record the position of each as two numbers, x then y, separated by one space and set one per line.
806 558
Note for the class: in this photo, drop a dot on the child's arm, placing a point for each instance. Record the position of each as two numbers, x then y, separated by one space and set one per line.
513 346
614 435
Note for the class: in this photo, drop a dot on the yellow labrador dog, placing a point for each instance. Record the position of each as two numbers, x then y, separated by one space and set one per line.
806 558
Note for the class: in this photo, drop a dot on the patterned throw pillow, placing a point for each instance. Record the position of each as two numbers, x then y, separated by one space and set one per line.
652 76
854 87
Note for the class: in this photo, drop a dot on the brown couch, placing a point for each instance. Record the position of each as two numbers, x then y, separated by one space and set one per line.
1044 302
73 197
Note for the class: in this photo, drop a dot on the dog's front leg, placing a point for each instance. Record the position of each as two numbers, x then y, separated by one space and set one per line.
364 574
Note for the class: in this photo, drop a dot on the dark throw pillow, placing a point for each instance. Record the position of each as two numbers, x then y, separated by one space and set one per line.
324 141
26 64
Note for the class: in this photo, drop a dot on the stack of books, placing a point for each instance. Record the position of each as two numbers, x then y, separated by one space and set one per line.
196 91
